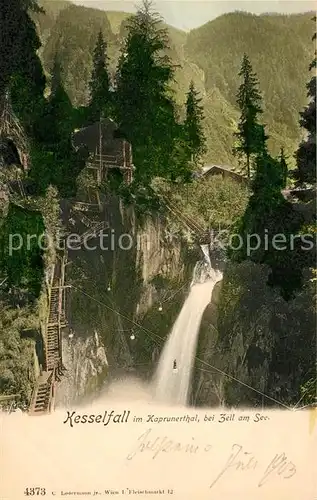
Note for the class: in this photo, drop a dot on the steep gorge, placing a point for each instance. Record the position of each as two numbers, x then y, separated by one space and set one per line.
119 293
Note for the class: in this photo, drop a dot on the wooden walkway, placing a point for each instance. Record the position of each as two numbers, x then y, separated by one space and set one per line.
43 397
42 401
85 220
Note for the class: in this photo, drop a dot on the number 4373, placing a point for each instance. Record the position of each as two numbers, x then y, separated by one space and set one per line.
34 491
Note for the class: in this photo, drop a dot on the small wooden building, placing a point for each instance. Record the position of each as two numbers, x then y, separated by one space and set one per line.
107 149
223 170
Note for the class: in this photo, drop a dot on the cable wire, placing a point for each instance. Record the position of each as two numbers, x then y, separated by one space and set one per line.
161 340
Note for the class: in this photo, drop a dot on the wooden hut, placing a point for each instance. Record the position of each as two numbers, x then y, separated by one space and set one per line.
107 149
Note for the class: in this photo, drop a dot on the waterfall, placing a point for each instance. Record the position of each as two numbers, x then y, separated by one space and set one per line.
205 249
172 386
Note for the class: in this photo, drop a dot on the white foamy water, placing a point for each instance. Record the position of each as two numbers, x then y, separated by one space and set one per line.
205 249
172 386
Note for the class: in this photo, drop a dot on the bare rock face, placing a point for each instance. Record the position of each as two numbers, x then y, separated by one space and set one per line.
155 256
86 360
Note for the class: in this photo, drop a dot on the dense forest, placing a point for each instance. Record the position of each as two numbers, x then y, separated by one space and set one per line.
179 100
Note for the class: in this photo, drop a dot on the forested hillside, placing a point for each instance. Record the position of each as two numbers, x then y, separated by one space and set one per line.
210 56
73 33
273 44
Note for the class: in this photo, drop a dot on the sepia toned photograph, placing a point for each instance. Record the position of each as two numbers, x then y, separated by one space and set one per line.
158 241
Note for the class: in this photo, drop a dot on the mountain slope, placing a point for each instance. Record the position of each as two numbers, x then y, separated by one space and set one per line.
279 46
72 34
280 50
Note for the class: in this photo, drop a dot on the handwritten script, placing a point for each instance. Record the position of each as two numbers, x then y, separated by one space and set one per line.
239 459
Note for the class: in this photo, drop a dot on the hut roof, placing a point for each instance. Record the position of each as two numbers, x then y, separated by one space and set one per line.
90 137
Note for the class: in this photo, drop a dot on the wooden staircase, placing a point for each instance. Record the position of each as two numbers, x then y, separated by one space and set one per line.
42 400
85 220
54 306
53 327
52 347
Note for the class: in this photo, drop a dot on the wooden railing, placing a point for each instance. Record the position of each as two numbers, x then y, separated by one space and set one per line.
190 223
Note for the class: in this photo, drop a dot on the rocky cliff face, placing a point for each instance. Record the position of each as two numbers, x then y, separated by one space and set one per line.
257 349
157 260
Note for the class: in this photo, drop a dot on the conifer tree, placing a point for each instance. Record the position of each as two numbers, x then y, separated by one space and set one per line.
306 153
196 140
269 214
14 45
250 132
55 162
59 125
145 110
20 67
100 94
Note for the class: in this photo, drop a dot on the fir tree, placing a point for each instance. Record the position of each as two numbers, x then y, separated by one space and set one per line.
100 94
20 67
145 110
306 153
268 214
12 21
193 125
54 161
250 132
58 125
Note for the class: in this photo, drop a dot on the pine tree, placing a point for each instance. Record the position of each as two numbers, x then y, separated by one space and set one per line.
193 125
250 133
306 153
145 110
100 93
20 67
55 162
14 46
59 112
269 214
